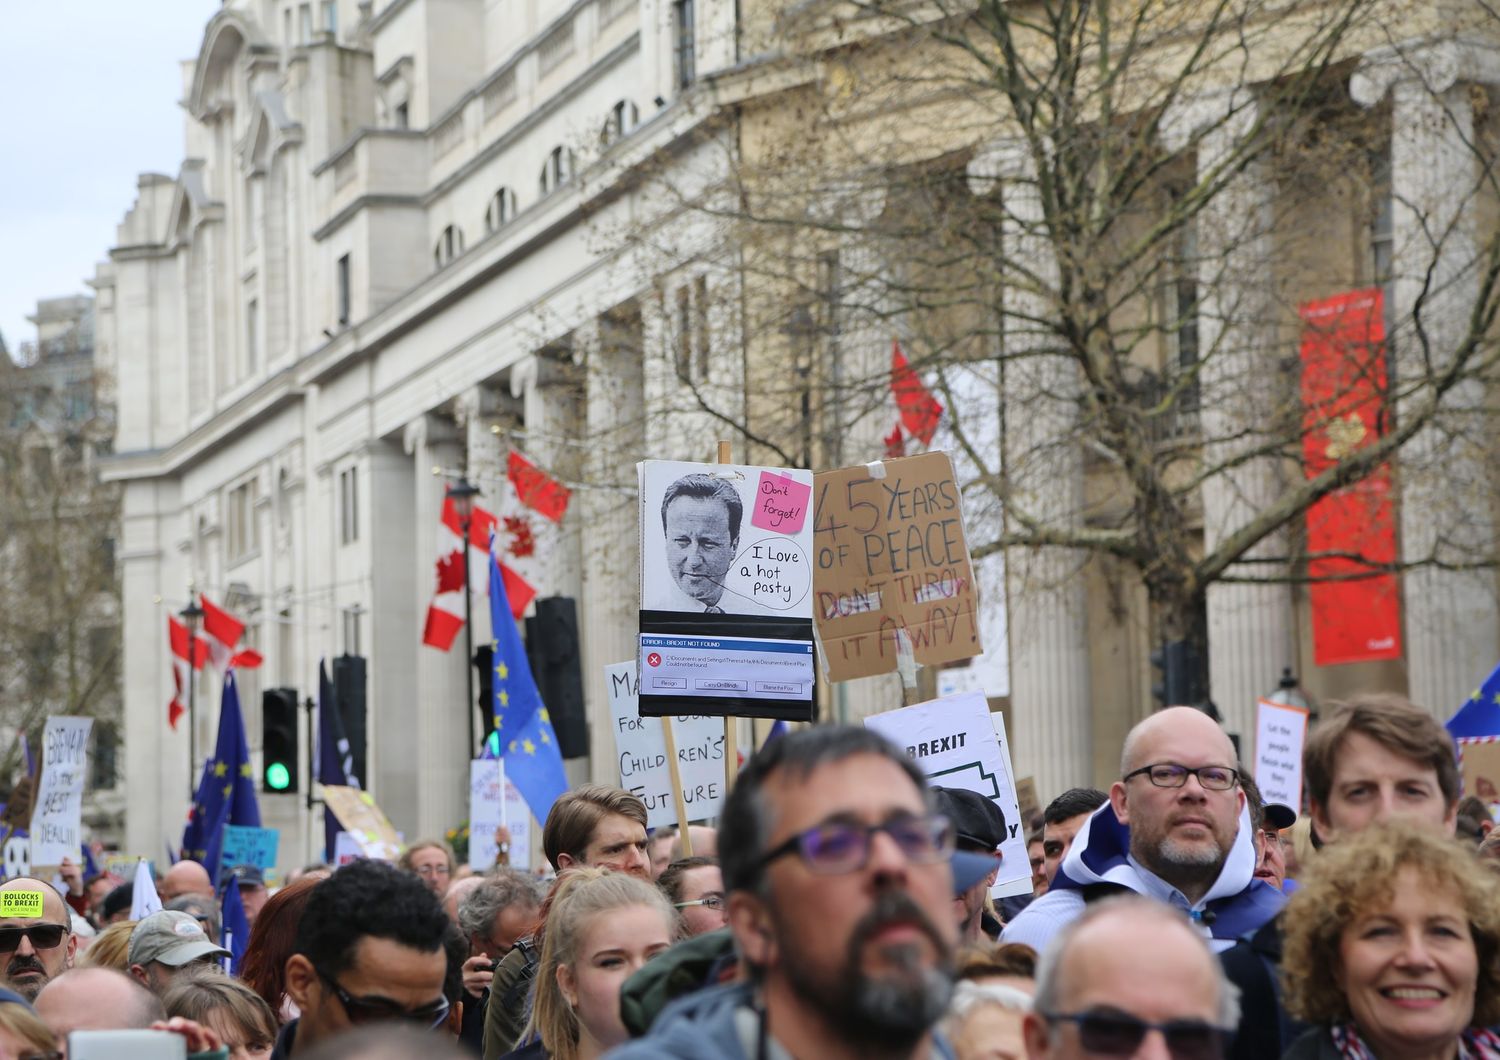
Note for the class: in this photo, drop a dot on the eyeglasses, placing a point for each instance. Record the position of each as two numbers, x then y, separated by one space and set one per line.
1172 775
839 847
42 936
708 901
382 1010
1120 1034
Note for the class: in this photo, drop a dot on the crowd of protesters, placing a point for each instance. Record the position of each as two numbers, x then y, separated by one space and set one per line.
842 908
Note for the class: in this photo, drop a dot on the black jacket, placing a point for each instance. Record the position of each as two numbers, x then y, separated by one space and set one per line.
1254 965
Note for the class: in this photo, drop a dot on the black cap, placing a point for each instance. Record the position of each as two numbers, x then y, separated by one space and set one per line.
248 875
1280 816
978 822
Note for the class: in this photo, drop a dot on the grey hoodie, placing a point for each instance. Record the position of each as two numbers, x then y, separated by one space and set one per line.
702 1026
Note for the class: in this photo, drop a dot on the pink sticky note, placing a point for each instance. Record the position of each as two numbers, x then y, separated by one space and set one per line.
780 503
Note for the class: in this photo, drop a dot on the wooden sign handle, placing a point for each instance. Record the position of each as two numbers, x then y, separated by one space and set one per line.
731 723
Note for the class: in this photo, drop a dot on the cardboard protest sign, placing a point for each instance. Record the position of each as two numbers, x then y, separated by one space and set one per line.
486 811
244 845
518 823
1280 730
363 820
726 591
1479 761
957 743
891 558
56 813
642 751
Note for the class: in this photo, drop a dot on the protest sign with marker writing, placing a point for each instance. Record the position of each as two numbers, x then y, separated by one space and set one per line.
56 816
642 750
1280 730
891 558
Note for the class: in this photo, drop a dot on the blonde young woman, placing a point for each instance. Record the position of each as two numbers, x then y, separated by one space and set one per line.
601 927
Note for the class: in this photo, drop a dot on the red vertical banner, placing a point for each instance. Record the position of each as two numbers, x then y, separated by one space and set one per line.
1353 529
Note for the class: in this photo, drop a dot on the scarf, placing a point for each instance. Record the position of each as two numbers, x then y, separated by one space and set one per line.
1473 1044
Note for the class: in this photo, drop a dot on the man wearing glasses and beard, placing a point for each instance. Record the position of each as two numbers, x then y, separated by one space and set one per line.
840 897
35 948
369 949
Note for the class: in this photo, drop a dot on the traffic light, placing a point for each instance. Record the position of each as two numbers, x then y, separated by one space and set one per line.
552 649
1181 683
278 740
349 689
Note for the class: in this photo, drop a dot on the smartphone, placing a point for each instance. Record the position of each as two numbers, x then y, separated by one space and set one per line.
138 1045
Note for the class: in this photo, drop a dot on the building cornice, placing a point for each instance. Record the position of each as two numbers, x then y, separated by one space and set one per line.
348 213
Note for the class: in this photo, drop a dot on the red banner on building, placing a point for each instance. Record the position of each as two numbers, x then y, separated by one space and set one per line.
1354 618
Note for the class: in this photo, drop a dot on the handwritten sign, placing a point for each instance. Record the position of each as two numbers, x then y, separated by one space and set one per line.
56 816
1479 760
891 558
363 820
780 503
486 811
244 845
20 903
518 823
957 743
642 754
1280 730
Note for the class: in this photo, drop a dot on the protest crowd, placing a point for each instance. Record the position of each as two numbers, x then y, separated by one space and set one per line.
839 906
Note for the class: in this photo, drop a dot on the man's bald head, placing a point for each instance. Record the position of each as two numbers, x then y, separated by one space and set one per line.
185 877
96 999
705 843
457 891
1142 741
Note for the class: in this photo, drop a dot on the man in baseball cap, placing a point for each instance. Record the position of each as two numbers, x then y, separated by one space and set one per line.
165 942
979 829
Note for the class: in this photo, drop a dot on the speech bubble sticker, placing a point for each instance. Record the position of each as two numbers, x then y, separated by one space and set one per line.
780 503
774 572
20 903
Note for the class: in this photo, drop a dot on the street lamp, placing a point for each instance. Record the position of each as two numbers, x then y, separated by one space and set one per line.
192 616
462 494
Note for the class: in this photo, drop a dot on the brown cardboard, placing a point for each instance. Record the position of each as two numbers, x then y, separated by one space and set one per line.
1026 796
890 555
363 820
1480 762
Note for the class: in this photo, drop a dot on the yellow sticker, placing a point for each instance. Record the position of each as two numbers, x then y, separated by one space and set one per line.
20 903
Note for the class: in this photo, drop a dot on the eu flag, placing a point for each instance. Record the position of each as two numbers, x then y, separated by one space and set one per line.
335 758
227 792
528 746
1480 714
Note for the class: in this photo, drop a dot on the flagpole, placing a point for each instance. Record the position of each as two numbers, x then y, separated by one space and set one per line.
462 493
731 723
191 615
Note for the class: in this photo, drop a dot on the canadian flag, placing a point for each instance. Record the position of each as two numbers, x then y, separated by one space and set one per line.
445 615
920 411
536 489
223 631
185 659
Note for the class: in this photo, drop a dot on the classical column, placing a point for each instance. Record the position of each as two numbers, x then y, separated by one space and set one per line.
1250 636
1044 469
155 772
1452 625
439 726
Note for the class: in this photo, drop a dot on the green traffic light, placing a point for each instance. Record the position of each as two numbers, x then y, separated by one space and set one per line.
278 777
493 743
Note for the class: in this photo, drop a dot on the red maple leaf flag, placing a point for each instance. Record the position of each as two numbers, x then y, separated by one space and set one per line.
450 572
920 411
445 615
536 489
182 665
222 631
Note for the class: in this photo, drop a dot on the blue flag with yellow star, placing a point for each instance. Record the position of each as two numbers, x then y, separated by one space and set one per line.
1480 714
528 746
227 792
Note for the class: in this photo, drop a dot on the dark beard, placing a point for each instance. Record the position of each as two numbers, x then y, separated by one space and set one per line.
889 1013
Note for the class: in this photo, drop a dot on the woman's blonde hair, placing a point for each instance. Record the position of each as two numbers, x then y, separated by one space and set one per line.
214 999
110 948
580 896
21 1022
1357 875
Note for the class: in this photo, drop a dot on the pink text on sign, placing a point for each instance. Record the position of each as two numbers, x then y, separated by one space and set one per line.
780 503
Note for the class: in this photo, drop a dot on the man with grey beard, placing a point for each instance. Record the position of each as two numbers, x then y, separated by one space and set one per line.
840 901
1175 829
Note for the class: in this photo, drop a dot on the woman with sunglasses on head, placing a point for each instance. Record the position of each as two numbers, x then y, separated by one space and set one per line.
1392 947
602 926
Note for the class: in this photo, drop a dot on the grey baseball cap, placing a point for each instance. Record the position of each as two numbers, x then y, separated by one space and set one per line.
172 937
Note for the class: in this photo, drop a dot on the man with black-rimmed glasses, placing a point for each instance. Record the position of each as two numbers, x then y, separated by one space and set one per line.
840 900
36 935
1175 829
369 949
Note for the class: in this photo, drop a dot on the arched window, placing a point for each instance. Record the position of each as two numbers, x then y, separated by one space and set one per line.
501 210
557 170
624 116
449 246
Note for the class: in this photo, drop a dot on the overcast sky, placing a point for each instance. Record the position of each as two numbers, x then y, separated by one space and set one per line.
88 99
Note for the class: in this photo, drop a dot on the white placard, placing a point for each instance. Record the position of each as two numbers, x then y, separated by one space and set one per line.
1280 730
641 748
486 811
56 817
958 743
345 849
518 821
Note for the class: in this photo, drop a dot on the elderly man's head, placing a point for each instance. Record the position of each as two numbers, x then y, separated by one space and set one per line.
1179 792
185 877
1130 977
36 941
499 911
96 999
